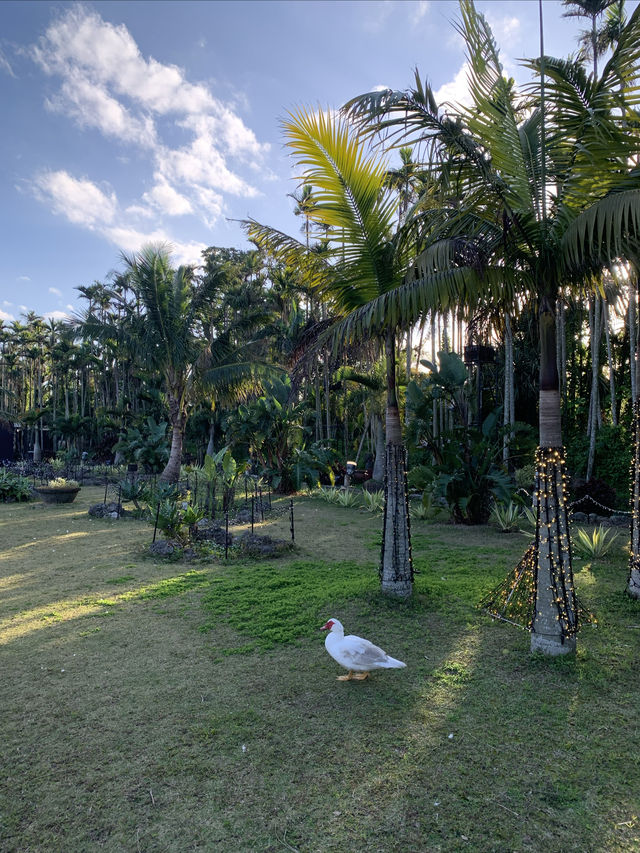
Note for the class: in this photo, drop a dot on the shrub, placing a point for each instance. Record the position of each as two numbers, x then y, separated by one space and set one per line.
597 545
506 516
14 488
63 483
373 501
525 477
347 498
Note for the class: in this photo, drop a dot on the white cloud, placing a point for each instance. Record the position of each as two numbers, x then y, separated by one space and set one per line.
165 198
107 85
23 278
55 291
59 315
506 29
376 15
419 10
138 210
5 65
8 317
456 91
90 105
131 240
81 201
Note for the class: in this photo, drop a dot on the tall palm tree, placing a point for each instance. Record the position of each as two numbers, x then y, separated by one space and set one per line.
365 263
168 331
548 199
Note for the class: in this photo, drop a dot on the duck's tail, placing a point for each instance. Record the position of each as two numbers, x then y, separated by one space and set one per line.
392 663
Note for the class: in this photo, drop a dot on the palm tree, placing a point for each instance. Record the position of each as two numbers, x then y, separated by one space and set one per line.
359 274
594 42
168 330
548 199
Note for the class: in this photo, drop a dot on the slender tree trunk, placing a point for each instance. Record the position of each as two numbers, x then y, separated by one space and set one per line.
396 571
318 406
633 587
379 443
612 376
365 429
212 432
434 413
508 387
178 420
633 331
596 334
326 397
555 618
419 353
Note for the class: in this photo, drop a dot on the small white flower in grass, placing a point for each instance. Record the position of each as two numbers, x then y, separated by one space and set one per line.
244 748
450 736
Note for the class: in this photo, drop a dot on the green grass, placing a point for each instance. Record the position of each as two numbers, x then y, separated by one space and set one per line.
159 706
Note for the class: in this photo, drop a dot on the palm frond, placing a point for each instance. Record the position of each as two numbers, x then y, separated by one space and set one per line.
607 231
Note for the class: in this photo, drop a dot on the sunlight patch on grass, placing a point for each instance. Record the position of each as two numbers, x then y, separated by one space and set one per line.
28 621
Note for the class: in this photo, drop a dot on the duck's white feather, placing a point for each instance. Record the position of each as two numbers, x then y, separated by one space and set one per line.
356 653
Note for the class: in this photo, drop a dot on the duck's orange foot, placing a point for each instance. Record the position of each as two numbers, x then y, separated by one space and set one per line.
360 676
347 677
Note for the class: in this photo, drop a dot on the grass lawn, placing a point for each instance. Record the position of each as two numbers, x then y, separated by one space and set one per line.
165 706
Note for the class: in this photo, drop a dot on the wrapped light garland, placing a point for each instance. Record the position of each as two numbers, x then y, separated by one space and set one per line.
519 599
633 581
399 580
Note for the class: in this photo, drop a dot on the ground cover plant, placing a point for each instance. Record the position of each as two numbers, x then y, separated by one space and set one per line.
155 705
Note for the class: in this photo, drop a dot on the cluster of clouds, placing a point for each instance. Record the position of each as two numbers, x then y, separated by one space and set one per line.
104 83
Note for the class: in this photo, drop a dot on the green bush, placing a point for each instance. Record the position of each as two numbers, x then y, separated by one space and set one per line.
14 488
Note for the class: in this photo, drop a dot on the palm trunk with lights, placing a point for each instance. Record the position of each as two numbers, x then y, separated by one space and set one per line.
555 617
396 572
633 587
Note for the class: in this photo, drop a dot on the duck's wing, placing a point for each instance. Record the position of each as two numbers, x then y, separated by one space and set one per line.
361 652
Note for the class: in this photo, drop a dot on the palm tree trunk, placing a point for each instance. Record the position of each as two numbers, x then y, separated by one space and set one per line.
554 621
633 331
378 437
633 587
178 420
595 311
508 387
396 571
612 377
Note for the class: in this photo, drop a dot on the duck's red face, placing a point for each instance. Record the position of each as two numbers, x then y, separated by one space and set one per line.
327 626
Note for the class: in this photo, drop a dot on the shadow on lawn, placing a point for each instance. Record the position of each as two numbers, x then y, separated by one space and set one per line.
266 750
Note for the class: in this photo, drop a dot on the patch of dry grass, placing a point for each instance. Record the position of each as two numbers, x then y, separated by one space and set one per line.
125 727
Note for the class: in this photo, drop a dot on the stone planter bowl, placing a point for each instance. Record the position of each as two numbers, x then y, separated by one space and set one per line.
52 495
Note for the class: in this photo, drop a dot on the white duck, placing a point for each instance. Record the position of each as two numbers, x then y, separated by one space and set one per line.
355 654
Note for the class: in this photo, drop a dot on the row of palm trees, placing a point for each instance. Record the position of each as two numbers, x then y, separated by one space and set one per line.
498 211
525 195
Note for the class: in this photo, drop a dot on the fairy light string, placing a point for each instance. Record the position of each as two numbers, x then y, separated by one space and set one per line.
633 580
515 600
396 502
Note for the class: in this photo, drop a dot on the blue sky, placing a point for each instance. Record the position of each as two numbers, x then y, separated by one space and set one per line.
131 122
